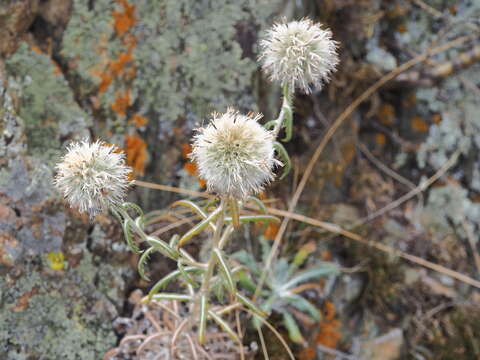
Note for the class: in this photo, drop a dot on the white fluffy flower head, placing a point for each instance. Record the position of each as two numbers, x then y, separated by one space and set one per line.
234 154
298 54
93 176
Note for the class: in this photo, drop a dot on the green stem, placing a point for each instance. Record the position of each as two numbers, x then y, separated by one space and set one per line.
215 241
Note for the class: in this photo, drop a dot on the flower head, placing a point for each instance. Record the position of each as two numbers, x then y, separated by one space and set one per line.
298 54
234 154
93 176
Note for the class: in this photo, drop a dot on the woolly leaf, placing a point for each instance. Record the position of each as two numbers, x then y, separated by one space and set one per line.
141 263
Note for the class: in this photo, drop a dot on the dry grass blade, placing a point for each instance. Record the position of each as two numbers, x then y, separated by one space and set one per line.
414 192
387 249
344 116
173 189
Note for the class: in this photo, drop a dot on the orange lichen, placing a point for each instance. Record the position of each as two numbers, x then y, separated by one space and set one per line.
122 102
129 41
386 114
186 150
23 301
136 150
329 334
105 81
418 124
307 353
190 168
117 67
380 139
124 20
402 28
436 118
271 230
138 120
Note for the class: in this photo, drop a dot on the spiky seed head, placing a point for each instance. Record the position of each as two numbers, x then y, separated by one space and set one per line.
299 53
234 154
93 176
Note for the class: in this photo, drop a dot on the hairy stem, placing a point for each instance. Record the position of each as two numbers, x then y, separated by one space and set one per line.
285 103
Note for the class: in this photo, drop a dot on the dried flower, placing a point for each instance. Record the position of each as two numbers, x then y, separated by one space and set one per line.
93 176
298 54
234 154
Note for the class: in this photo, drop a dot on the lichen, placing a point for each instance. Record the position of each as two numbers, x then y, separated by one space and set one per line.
65 315
47 105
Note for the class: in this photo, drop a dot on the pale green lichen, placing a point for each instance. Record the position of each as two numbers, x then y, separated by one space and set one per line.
64 316
47 105
187 59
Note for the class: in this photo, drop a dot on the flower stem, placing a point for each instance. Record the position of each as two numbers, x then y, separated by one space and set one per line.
285 103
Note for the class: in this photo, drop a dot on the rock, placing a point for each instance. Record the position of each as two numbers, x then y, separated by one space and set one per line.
385 347
16 16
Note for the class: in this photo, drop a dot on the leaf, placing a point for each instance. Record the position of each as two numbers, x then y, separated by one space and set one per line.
225 327
185 275
138 210
225 270
303 305
284 157
162 247
247 259
259 203
270 125
293 331
254 218
127 232
287 122
163 282
313 272
174 240
194 207
245 281
249 304
199 227
141 263
172 296
202 326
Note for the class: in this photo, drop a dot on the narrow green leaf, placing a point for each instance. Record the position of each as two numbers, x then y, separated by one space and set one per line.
185 275
303 305
259 203
199 227
254 218
249 304
287 122
195 208
162 247
225 270
172 296
202 326
117 215
292 328
163 282
245 281
283 155
313 272
174 241
127 232
143 260
270 125
137 209
225 327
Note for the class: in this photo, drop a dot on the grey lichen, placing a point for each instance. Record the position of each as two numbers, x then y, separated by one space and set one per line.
47 105
65 315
